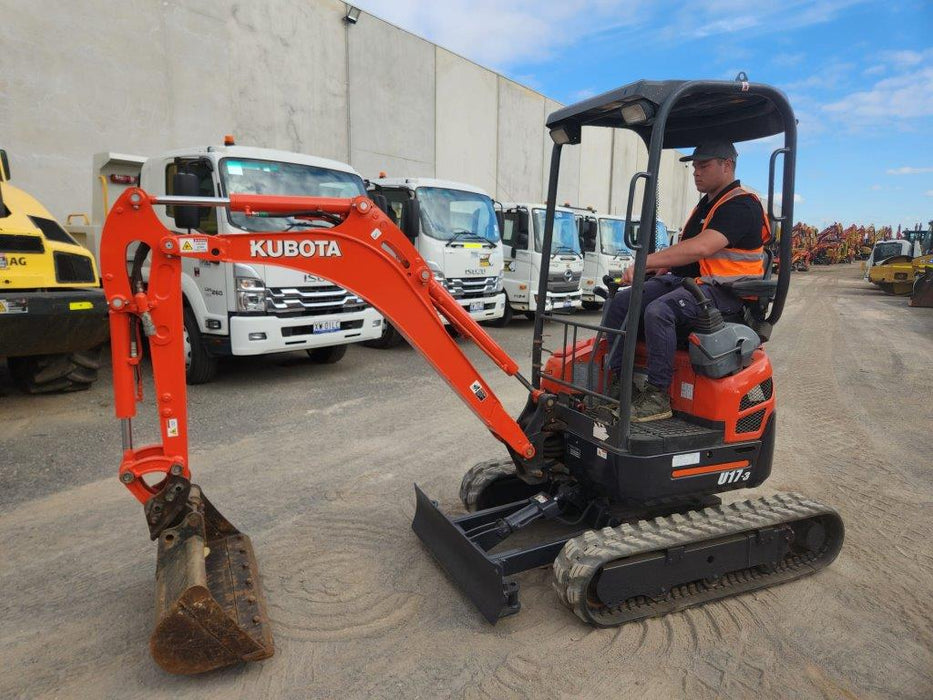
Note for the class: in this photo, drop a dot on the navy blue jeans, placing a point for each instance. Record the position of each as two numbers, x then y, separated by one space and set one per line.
667 306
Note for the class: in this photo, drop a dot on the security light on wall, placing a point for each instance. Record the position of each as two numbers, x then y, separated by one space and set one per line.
353 15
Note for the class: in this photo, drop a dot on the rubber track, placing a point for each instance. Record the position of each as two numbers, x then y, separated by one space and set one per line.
583 557
480 476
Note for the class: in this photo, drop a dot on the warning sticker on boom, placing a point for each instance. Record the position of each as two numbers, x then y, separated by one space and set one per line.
193 245
477 389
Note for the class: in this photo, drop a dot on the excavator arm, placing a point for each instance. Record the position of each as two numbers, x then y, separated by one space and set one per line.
210 610
365 253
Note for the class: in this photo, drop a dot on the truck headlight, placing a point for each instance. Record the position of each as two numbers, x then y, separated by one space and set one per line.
250 295
436 271
499 280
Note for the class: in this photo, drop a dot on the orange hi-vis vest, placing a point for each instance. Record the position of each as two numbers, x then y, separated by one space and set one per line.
733 264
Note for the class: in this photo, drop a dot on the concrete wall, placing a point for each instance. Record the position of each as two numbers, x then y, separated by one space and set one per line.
162 75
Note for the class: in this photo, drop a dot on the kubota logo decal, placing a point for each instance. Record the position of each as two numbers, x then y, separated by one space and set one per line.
294 249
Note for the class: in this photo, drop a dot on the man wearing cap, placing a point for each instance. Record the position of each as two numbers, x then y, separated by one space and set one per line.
722 242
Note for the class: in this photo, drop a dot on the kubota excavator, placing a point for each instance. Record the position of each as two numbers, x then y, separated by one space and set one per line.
646 533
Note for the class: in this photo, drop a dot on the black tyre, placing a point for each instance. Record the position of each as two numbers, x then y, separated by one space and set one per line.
200 365
390 338
592 305
46 374
504 320
327 356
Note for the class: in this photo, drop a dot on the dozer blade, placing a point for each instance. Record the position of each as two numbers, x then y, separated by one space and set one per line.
923 289
477 574
210 610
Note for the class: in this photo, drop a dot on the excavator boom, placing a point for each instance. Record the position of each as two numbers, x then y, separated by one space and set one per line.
201 598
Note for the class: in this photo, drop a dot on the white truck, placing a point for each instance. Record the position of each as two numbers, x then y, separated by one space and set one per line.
604 252
522 236
455 229
237 309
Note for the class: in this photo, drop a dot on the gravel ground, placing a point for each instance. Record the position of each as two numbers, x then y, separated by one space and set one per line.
316 463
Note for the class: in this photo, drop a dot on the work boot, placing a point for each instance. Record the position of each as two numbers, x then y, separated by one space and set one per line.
651 403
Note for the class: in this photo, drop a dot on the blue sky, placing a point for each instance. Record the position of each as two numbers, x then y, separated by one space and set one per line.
859 74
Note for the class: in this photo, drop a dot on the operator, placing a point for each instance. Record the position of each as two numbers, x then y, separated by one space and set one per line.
722 242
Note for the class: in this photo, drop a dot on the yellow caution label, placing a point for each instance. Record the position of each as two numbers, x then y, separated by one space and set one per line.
80 305
472 245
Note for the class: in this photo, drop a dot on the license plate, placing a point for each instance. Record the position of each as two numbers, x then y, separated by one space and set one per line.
326 327
477 305
568 304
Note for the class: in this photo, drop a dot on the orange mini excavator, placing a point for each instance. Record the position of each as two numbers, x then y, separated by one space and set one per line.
646 533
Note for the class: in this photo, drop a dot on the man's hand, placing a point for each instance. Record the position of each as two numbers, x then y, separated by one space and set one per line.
629 273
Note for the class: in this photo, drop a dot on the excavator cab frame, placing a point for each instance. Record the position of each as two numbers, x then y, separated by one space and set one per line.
600 469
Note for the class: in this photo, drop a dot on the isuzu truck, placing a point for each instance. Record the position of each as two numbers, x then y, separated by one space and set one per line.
522 236
240 309
454 227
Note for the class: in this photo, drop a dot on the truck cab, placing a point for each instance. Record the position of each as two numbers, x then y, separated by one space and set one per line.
455 229
522 236
255 309
602 242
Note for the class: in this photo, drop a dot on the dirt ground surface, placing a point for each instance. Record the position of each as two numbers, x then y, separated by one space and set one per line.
316 463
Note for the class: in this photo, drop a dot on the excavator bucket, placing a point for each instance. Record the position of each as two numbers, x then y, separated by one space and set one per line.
210 611
923 289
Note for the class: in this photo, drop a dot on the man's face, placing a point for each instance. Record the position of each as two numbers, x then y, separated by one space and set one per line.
712 175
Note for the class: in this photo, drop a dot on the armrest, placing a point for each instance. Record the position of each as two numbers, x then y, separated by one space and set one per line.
763 289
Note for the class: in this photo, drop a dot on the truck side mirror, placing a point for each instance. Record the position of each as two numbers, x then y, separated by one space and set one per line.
186 185
380 201
411 218
522 228
4 166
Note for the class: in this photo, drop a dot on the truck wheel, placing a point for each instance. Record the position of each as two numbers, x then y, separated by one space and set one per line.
200 365
327 356
390 338
45 374
592 305
504 319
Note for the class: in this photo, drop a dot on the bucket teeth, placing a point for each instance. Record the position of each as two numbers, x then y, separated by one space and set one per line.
210 610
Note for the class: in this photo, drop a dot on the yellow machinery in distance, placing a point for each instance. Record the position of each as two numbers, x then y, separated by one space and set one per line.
53 314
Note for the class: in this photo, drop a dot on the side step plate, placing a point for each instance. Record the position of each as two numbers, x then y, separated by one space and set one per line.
479 577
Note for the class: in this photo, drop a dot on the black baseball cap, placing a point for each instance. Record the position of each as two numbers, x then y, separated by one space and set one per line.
709 150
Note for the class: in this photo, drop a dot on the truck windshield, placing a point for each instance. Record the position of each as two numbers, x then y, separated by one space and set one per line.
456 214
564 239
662 238
612 237
248 176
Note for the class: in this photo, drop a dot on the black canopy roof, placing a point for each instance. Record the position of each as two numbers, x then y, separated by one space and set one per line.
730 110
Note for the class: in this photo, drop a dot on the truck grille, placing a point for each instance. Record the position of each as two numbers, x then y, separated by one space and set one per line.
557 282
471 287
312 301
